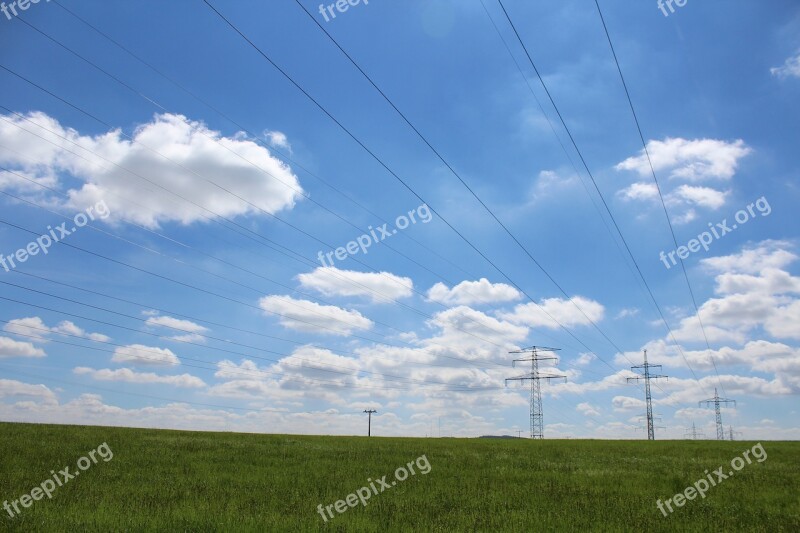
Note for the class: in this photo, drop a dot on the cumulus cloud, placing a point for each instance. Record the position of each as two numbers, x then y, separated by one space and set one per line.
311 317
191 144
278 139
639 191
130 376
12 348
473 292
550 183
587 409
35 327
789 69
16 389
138 354
380 287
753 259
691 160
562 310
752 292
700 196
192 332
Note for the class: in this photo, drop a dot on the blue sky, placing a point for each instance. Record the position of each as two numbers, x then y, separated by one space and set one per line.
197 299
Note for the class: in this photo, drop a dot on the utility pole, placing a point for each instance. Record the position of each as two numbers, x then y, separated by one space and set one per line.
537 417
732 432
694 433
369 423
644 370
717 401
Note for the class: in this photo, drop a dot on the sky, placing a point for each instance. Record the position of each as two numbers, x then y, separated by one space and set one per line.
213 219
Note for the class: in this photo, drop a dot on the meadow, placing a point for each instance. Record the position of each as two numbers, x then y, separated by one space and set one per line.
196 481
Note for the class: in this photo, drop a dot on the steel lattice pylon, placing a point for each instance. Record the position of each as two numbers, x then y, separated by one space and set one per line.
717 401
535 376
647 376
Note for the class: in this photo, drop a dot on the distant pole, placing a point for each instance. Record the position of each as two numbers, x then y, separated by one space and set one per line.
369 421
519 433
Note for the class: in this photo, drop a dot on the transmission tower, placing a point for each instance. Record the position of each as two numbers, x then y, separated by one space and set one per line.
535 376
694 433
656 418
733 433
644 370
717 401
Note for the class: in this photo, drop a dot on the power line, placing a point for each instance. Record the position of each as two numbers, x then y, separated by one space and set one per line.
658 188
457 175
298 258
286 157
561 144
599 192
254 289
150 149
215 140
393 173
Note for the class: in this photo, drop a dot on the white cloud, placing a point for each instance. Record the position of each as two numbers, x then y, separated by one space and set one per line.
752 293
753 259
15 389
382 287
700 196
138 354
311 317
639 191
691 160
625 313
192 332
587 409
35 327
278 139
129 376
191 144
176 323
12 348
562 310
550 183
789 69
473 292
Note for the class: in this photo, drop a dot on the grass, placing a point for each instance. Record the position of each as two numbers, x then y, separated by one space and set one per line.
191 481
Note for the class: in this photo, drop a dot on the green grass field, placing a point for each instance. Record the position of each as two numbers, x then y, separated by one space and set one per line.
186 481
